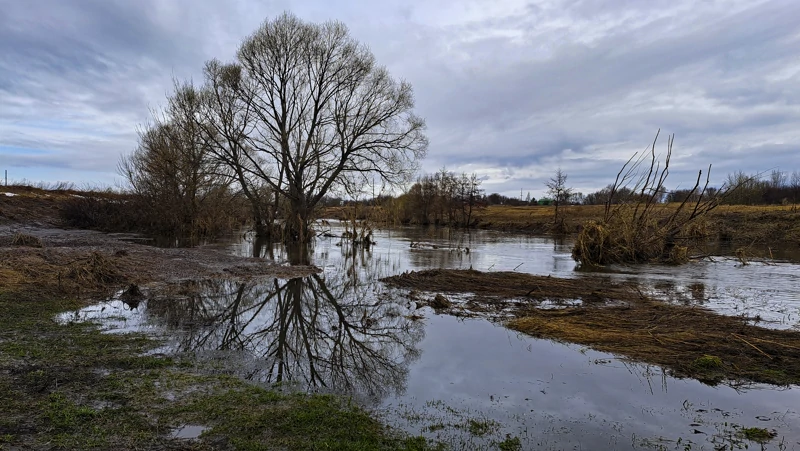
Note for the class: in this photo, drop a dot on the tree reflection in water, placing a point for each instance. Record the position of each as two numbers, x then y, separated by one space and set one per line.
327 331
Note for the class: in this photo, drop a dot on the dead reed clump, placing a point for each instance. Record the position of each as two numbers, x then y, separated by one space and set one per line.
95 270
23 239
637 227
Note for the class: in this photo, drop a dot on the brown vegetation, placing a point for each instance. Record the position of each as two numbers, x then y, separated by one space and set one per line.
617 318
638 228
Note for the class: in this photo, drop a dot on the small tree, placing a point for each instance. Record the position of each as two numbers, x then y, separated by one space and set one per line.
557 188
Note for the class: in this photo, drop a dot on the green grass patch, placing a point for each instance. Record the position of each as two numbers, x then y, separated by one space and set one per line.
72 387
759 435
708 362
510 444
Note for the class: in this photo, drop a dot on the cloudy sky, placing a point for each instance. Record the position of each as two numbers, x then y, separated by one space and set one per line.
510 89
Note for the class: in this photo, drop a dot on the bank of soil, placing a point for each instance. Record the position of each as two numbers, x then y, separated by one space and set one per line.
620 319
70 386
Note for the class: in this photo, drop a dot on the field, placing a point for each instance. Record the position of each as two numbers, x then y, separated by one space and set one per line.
741 224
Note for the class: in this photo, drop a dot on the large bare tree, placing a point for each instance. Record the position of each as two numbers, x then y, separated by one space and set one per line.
323 112
227 121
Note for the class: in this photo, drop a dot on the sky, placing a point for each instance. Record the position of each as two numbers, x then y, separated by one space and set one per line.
511 90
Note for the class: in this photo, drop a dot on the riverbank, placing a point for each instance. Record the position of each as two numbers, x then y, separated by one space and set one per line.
69 385
742 225
618 318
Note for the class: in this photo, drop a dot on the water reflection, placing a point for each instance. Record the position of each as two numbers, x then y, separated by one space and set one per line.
326 332
343 331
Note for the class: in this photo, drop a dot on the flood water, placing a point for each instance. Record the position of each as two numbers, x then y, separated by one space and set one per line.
470 382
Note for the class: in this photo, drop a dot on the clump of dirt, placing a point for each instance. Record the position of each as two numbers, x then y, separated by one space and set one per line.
690 341
440 302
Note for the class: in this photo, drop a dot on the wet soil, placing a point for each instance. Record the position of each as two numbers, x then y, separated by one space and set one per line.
82 261
618 318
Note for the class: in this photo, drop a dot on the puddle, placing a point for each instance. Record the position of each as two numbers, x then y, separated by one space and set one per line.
187 432
470 382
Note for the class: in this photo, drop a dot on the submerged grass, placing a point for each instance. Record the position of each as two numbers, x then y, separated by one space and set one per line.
69 386
759 435
690 341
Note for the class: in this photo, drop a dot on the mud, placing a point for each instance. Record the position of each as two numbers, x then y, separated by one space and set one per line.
82 261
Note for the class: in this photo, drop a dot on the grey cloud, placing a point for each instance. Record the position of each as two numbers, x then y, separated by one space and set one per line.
510 91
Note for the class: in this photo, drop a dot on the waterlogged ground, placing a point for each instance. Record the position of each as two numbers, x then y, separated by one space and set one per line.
470 382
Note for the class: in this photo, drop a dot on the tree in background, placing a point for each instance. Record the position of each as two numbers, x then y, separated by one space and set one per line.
557 189
180 186
444 198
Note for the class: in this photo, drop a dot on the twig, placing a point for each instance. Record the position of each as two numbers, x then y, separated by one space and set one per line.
775 343
752 345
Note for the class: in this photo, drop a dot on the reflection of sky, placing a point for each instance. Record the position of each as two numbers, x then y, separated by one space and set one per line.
562 397
555 396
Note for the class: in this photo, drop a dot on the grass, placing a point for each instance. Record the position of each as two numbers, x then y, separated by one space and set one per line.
510 444
72 387
617 318
708 362
759 435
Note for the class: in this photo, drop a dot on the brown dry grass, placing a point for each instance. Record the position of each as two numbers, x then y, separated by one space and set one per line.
22 239
629 324
69 273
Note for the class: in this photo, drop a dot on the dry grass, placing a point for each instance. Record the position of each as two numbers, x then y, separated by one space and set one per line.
623 321
22 239
679 338
65 273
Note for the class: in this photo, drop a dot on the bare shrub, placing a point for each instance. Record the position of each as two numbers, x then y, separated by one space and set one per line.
641 228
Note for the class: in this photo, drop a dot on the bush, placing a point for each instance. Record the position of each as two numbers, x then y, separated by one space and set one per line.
640 228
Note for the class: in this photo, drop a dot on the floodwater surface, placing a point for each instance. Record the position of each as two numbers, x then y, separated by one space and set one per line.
472 383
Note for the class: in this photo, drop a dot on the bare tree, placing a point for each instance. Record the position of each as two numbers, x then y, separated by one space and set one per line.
467 196
323 109
227 120
557 189
171 171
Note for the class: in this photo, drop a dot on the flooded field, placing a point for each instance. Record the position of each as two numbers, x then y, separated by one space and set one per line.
470 382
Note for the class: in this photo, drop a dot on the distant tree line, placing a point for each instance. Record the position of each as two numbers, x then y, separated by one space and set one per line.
442 198
779 188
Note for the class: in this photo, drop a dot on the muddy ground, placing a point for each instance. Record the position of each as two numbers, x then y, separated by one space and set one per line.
66 259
